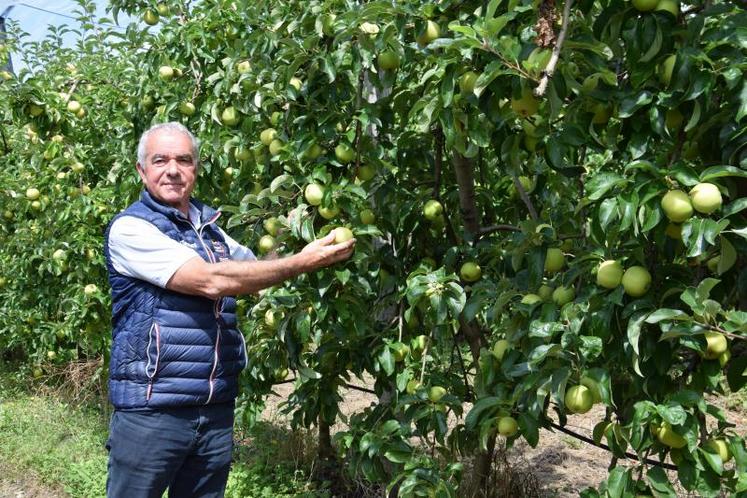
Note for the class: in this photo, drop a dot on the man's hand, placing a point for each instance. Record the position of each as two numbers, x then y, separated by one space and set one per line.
324 252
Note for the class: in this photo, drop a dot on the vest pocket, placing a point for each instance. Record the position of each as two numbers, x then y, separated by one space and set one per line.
153 353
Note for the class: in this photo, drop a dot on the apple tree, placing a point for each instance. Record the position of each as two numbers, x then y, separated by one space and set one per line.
548 201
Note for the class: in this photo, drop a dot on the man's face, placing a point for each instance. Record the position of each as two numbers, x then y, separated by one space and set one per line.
169 171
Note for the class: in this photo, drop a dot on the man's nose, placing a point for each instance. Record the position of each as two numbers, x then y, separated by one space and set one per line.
172 167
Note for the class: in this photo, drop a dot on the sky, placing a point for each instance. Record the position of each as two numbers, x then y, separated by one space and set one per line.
35 16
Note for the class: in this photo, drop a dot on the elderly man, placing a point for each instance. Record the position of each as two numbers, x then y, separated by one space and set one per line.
176 352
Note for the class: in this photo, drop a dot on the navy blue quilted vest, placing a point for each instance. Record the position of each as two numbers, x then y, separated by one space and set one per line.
171 349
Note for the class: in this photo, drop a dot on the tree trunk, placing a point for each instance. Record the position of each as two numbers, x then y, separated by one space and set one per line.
326 452
483 466
465 177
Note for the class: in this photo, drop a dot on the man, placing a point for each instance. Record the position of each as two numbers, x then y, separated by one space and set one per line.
176 352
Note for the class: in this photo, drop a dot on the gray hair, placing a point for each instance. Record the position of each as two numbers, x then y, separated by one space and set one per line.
172 126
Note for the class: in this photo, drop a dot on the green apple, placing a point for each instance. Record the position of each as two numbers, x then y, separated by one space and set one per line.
150 17
74 106
51 355
712 264
668 437
593 387
229 116
673 231
673 120
6 75
328 213
35 110
507 426
366 172
705 198
418 345
467 82
271 226
243 67
32 194
313 194
671 6
90 289
166 73
636 281
162 9
266 244
545 292
388 60
554 260
273 318
314 151
296 83
276 146
716 345
525 106
602 114
242 153
677 206
343 234
267 136
531 299
578 399
37 372
470 272
412 386
563 295
609 274
432 210
344 153
500 347
645 5
429 33
59 255
666 69
81 113
724 358
435 393
367 217
720 447
187 108
400 351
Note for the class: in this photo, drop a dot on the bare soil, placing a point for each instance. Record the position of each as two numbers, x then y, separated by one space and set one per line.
13 485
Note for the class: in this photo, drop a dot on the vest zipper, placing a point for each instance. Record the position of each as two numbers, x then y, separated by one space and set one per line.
150 376
216 306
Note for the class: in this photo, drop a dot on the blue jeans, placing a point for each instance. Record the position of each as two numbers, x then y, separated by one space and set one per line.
186 449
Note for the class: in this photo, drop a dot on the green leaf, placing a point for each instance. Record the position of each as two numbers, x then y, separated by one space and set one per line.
735 207
629 105
529 429
386 360
600 184
713 460
727 258
666 314
659 483
634 329
721 171
618 481
485 407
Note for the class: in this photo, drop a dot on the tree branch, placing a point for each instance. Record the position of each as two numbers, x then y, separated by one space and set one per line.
555 57
524 197
498 228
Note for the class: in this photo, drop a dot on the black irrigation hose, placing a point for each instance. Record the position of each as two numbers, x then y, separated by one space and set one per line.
632 456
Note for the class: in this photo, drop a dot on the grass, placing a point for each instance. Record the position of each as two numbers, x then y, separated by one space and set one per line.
61 446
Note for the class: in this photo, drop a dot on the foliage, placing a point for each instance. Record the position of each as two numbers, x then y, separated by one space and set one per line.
640 103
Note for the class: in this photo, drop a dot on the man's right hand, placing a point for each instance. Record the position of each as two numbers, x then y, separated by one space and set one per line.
324 252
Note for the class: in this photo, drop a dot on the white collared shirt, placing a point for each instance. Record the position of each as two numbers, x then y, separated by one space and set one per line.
140 250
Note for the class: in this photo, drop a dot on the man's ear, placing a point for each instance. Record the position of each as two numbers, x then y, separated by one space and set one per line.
140 171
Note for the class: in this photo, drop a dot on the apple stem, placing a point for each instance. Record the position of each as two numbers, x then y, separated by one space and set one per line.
555 57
